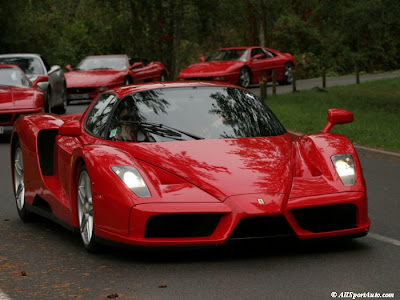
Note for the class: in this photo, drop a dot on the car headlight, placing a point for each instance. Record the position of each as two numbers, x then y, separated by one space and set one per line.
133 180
344 165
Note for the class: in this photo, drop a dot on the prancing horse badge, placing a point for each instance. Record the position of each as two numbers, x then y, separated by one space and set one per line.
260 201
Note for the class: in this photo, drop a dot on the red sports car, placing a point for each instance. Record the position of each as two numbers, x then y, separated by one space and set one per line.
242 65
18 96
186 164
96 74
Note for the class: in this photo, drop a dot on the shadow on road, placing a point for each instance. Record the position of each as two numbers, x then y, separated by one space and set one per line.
60 239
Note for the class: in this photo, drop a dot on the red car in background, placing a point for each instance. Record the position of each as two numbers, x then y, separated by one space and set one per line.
242 65
18 96
98 73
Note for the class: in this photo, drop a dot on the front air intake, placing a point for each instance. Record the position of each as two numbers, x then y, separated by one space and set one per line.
262 227
181 225
326 218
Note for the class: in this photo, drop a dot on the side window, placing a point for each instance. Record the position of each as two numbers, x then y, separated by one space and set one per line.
98 116
257 51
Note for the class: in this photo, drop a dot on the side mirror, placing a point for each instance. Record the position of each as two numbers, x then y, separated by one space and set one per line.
40 78
70 128
137 65
202 59
337 116
68 68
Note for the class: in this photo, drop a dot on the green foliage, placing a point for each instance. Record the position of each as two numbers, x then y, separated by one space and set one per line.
375 105
334 34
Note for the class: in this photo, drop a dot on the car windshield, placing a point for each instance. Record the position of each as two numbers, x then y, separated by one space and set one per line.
13 77
103 62
229 54
186 113
30 65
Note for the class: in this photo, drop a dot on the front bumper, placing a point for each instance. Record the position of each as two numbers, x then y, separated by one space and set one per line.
251 216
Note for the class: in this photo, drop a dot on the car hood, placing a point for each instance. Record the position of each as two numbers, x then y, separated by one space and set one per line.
223 167
16 97
93 78
211 68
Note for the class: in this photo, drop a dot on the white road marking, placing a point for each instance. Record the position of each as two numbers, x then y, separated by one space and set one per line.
385 239
381 151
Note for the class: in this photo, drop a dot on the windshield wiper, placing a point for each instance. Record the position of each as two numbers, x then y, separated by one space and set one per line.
164 130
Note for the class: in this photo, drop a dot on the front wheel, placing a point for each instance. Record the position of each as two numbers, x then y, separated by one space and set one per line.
19 184
85 211
62 108
47 101
244 78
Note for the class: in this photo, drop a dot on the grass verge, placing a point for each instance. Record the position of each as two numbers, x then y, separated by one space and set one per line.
375 105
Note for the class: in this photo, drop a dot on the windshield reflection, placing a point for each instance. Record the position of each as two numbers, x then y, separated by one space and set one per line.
13 77
229 54
30 65
201 112
103 62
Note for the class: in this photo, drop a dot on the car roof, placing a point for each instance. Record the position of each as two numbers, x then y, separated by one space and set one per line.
125 90
20 55
105 55
241 47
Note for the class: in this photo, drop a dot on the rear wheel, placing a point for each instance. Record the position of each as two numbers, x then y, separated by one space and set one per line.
244 77
19 184
85 211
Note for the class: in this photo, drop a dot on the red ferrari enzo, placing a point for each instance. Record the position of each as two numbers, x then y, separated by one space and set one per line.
242 65
186 164
18 96
96 74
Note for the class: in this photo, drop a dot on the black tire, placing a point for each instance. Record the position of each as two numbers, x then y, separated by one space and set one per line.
244 77
47 101
85 211
19 184
62 108
287 74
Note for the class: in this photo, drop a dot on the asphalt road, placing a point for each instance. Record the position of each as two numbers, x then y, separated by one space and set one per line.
41 260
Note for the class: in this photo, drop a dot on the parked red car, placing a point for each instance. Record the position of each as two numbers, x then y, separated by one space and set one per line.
98 73
18 96
242 65
187 163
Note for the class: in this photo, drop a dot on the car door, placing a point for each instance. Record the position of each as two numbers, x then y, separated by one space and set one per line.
262 62
145 73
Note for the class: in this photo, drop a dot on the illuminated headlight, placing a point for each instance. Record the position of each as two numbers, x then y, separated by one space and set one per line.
219 78
103 88
344 166
133 180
